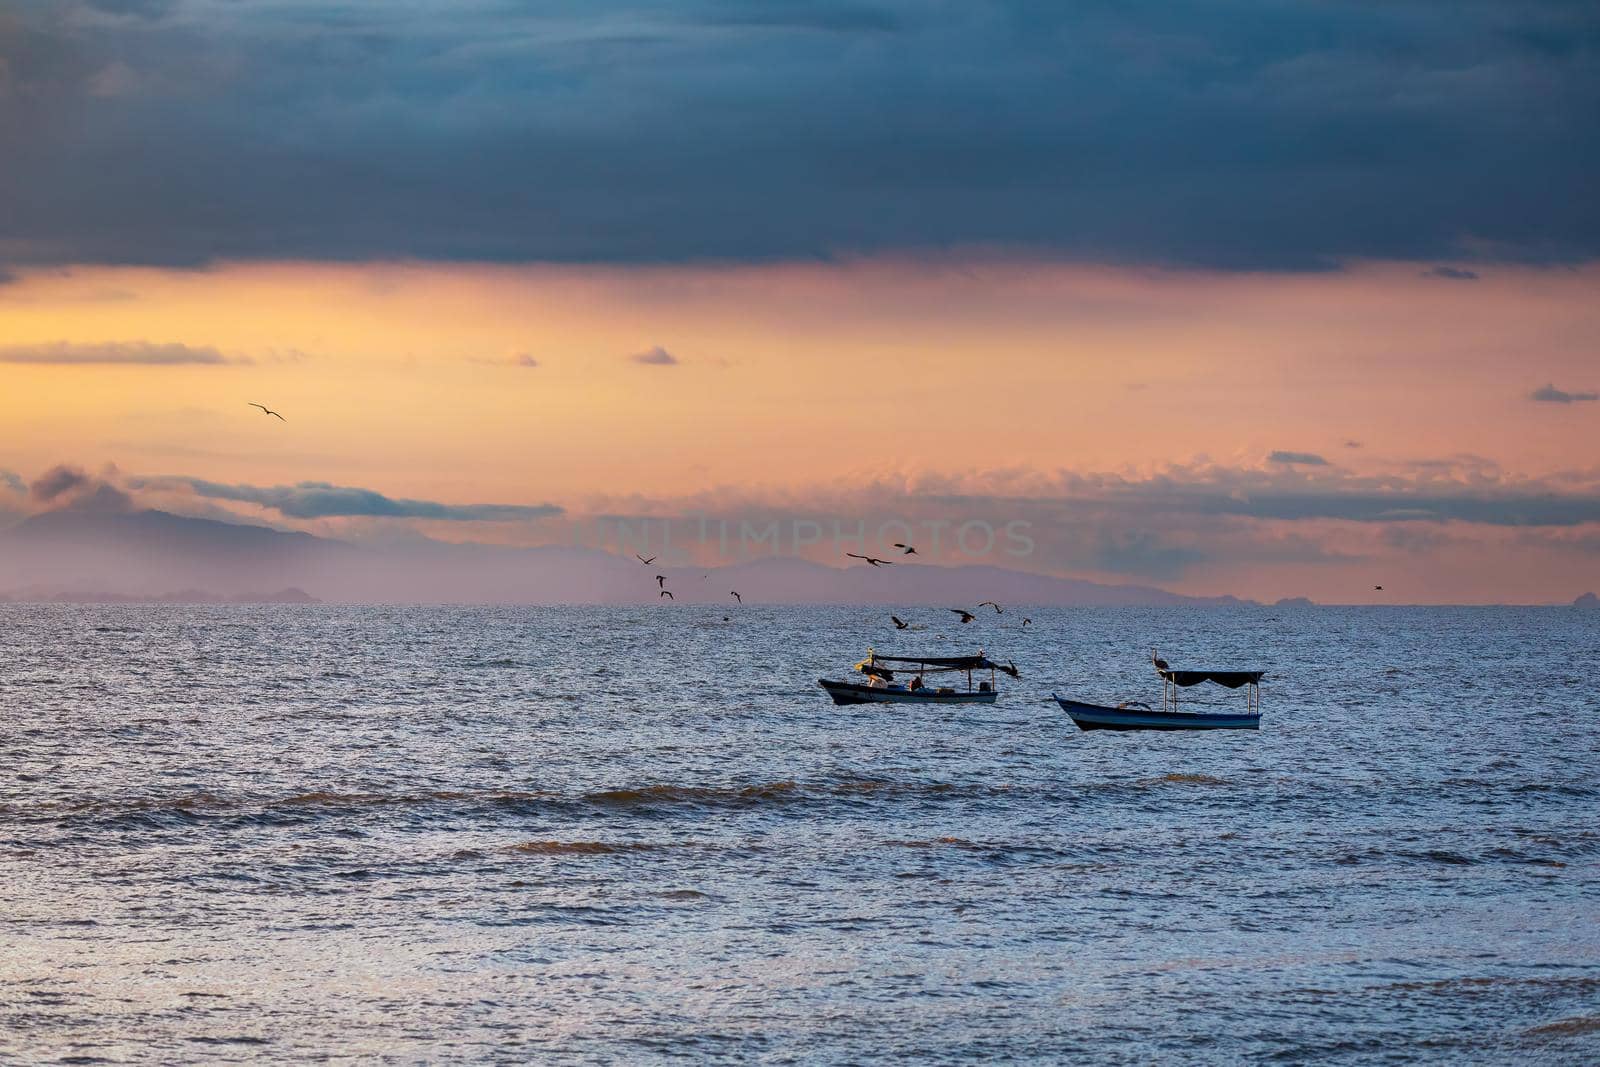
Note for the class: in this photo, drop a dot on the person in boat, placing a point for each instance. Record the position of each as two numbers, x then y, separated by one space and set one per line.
916 683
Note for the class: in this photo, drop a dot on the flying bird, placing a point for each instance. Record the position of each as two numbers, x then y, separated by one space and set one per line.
268 410
1378 588
646 562
905 550
899 623
998 610
661 581
736 596
1027 621
872 560
668 594
966 616
1161 664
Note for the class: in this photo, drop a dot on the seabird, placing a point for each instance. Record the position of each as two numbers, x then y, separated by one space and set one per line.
998 610
646 562
1379 588
966 616
872 560
268 410
661 581
1027 621
668 594
735 594
905 550
899 623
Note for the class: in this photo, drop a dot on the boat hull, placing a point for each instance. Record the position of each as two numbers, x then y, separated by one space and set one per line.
1100 717
852 693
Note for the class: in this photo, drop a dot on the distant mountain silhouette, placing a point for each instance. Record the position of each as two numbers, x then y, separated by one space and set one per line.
185 596
1586 600
144 555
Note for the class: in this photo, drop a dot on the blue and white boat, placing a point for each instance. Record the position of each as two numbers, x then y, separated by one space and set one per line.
882 686
1132 715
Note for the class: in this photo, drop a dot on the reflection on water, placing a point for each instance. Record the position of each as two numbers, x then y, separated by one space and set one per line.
610 834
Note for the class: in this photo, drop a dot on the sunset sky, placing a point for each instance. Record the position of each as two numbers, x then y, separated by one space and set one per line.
1271 300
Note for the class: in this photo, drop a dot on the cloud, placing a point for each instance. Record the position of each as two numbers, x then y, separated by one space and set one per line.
1454 274
1549 394
124 353
13 482
57 481
64 486
322 500
655 357
525 360
637 130
1352 443
145 9
1308 459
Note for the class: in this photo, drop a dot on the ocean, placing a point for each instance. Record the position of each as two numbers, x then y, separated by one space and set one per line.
618 835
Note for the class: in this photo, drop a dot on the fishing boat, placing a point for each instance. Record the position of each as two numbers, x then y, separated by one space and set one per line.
1132 715
883 686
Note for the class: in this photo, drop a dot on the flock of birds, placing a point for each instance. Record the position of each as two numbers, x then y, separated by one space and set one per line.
662 592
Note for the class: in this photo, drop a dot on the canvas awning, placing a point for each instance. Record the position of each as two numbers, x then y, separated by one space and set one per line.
1230 679
939 663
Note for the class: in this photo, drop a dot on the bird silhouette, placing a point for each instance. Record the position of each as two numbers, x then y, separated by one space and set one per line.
966 616
1027 621
736 596
268 410
1378 588
872 560
998 610
905 550
899 623
668 594
646 562
661 581
1161 664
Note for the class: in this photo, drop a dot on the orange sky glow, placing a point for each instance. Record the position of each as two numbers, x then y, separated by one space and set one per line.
810 387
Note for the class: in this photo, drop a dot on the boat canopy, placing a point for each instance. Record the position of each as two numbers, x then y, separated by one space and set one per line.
936 663
1230 679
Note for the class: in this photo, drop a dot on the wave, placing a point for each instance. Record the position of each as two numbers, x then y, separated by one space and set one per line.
1494 985
579 848
652 799
1575 1026
695 794
1185 779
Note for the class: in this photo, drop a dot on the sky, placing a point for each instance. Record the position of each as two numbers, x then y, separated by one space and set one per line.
1270 299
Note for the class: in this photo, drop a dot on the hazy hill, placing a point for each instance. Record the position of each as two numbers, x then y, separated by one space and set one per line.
147 554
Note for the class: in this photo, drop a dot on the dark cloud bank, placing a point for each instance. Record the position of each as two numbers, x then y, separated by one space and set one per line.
323 500
1218 133
1549 394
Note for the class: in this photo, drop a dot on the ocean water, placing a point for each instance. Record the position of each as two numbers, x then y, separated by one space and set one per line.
338 834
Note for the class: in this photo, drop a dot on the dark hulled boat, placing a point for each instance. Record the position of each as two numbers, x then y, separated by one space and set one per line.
882 686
